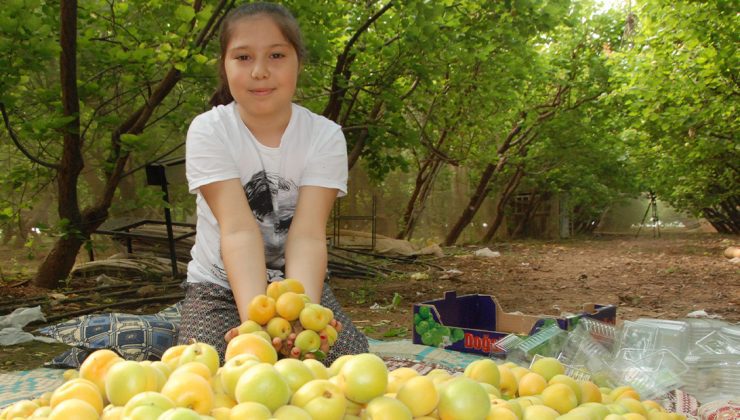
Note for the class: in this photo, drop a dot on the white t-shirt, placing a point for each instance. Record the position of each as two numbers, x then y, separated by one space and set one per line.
219 146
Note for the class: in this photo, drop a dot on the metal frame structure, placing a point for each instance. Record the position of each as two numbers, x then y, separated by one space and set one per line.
159 173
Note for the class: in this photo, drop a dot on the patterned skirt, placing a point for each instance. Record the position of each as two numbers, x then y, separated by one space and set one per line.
209 311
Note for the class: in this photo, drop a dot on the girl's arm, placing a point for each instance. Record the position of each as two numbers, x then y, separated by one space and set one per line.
305 249
242 249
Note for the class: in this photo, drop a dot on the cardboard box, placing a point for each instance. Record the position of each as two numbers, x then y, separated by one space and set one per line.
474 323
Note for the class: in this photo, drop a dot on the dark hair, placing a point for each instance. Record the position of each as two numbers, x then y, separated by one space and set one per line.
282 17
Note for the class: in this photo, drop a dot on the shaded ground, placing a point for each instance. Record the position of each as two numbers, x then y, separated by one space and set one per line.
666 277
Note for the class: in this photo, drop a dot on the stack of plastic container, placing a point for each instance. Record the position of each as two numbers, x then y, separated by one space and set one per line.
639 337
699 328
652 374
654 356
589 347
638 353
507 345
713 361
671 335
650 356
547 341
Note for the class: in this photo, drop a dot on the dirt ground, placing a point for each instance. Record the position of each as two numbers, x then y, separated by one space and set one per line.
666 277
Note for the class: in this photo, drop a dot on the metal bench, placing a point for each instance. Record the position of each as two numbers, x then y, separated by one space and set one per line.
165 172
338 218
159 173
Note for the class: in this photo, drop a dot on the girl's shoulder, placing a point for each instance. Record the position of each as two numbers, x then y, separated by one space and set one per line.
314 121
220 115
217 125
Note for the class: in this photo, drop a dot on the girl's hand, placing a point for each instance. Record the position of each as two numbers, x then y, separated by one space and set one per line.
231 334
287 348
276 342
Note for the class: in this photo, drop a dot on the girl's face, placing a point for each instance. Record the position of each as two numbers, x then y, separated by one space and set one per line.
261 68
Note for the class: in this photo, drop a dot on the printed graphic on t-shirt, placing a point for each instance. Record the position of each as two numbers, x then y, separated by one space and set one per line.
262 191
274 225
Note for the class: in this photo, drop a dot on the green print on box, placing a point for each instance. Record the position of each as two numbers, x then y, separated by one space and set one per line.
432 333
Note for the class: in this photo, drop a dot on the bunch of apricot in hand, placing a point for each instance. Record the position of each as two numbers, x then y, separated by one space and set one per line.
286 317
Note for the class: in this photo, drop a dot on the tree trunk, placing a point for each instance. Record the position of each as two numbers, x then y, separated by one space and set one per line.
481 191
10 232
59 262
422 189
427 172
92 178
127 191
584 223
503 200
731 211
78 225
727 221
534 203
518 138
483 188
361 140
60 259
38 214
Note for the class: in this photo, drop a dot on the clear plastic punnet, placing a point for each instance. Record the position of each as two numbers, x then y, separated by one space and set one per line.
639 338
585 350
548 341
712 377
700 328
718 342
672 335
507 344
651 374
600 332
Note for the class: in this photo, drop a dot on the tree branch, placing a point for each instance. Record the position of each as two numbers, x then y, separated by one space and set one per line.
157 159
343 62
364 134
358 33
584 100
411 90
527 135
137 121
18 144
509 137
115 24
160 117
357 127
211 26
100 106
343 120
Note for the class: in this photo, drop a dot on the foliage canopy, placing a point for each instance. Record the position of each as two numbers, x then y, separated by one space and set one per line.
542 97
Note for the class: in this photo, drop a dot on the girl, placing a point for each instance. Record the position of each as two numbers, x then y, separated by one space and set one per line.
266 173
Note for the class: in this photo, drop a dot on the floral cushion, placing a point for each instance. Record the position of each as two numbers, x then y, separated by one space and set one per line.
134 337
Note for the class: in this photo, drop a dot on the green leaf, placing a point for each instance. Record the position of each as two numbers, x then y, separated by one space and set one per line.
396 332
396 302
6 213
184 13
132 142
120 7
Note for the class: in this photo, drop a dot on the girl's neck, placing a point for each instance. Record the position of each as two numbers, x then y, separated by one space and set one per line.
268 130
